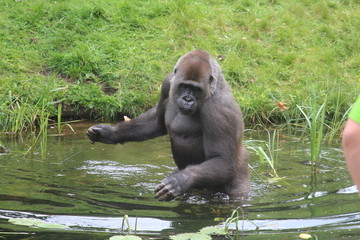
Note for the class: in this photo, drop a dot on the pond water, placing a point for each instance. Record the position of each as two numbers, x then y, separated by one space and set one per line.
90 188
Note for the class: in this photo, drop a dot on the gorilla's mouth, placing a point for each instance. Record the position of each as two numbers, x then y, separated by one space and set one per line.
187 110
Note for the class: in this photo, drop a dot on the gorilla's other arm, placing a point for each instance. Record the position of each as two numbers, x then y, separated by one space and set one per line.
148 125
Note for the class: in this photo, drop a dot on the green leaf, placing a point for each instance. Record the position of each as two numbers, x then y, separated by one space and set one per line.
25 221
50 225
213 230
191 236
33 222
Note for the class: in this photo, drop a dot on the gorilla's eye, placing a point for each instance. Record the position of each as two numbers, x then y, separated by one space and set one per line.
195 91
175 70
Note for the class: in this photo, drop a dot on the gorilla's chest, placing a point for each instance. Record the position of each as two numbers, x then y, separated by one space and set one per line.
183 126
186 138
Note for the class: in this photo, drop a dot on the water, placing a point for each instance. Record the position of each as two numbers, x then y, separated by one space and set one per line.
90 188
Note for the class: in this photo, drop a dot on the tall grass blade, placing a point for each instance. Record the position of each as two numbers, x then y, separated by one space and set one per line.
269 155
59 111
315 121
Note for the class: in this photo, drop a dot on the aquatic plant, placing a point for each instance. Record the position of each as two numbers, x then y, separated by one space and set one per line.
43 130
269 155
17 116
315 121
125 220
128 228
59 124
235 218
191 236
36 223
338 118
42 117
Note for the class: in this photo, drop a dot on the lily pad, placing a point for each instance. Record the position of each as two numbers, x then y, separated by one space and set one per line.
191 236
33 222
25 221
305 236
214 230
126 237
51 225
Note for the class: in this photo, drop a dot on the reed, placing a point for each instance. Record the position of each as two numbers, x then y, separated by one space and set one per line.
268 152
315 120
235 218
338 119
59 112
125 220
19 117
41 117
43 133
59 124
43 126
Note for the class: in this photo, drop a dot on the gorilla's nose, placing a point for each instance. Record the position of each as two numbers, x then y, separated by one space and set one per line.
188 99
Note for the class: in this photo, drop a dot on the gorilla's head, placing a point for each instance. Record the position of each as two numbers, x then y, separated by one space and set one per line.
193 82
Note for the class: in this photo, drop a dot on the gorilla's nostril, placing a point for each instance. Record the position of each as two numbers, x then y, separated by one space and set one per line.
188 99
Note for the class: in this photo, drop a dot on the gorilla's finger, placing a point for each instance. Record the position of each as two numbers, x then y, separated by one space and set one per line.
169 196
163 191
90 132
95 129
159 187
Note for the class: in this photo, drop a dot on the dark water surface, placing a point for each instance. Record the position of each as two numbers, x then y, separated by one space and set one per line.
90 188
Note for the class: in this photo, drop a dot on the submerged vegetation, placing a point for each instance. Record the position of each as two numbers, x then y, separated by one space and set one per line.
101 59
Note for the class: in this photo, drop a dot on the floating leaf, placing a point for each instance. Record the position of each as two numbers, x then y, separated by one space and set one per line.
191 236
213 230
51 225
25 221
33 222
305 236
126 237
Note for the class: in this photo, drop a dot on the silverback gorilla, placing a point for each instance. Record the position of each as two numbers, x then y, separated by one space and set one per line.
205 125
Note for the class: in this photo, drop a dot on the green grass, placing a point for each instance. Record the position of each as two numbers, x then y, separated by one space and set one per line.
100 59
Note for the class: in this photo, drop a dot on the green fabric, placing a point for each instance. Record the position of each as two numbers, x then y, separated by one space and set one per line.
355 111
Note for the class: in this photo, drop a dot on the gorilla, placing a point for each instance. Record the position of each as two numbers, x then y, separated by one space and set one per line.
205 125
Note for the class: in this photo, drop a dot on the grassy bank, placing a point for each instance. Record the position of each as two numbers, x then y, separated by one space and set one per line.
99 59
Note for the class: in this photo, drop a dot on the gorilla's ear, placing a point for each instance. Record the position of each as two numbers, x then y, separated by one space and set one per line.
211 79
212 84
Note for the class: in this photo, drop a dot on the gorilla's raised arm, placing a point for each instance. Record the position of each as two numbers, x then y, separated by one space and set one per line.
146 126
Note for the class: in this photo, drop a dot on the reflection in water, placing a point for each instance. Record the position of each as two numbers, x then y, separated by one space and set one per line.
91 187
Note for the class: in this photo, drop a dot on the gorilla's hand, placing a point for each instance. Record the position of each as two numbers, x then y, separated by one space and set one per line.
173 186
101 133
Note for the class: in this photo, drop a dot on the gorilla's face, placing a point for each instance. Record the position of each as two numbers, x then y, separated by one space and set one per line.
190 85
189 96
